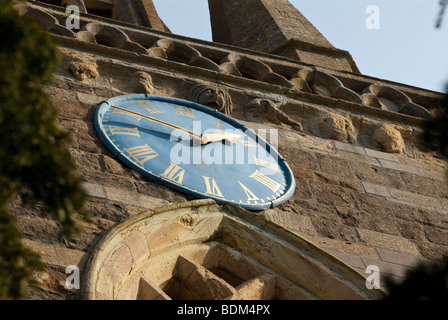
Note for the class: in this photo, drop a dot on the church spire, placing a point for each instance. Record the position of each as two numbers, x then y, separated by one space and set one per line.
140 12
274 26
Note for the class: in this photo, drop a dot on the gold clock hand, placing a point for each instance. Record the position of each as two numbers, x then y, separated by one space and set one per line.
221 135
169 125
204 138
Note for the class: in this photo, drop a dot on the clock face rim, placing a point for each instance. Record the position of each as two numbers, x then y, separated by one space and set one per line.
118 153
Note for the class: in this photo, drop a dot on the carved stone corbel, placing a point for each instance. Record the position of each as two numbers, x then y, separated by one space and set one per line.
213 97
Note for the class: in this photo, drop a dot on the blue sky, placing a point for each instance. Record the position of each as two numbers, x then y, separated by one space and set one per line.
407 48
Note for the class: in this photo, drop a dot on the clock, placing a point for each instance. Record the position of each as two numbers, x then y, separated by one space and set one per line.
194 149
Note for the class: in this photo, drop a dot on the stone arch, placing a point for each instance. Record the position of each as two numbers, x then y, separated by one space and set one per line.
203 251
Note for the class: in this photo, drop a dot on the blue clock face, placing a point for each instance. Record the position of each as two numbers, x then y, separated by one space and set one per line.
195 150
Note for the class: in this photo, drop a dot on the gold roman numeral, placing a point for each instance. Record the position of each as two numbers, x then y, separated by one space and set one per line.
250 195
268 182
219 124
267 164
141 154
127 131
148 107
174 173
212 188
184 111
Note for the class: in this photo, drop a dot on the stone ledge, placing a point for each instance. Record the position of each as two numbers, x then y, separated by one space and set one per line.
387 268
402 197
415 198
398 166
381 155
376 189
349 148
351 259
398 257
351 249
124 196
387 241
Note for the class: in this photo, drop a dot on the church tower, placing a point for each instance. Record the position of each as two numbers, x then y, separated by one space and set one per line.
138 12
277 27
367 192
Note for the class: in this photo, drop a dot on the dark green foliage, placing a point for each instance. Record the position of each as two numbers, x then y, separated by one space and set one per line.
32 148
426 282
17 263
436 130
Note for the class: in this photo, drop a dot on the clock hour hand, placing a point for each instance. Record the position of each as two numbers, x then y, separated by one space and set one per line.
204 138
221 135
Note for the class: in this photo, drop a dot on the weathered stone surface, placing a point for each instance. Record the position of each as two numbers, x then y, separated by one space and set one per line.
57 255
296 223
262 110
332 126
331 195
213 97
391 242
141 12
349 148
335 165
388 139
398 166
376 189
83 70
418 184
136 243
376 174
274 26
142 83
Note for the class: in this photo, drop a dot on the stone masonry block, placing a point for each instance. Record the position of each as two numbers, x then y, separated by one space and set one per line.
94 190
376 189
381 155
57 256
387 268
352 260
133 198
136 241
333 164
415 198
398 166
349 148
386 241
294 222
396 257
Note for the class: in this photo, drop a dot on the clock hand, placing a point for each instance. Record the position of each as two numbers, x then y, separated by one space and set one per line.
221 135
169 125
204 138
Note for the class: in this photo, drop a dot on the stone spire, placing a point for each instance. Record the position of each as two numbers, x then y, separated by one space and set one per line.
140 12
277 27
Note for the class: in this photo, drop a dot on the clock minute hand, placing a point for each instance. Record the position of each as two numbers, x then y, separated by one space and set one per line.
166 124
204 138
